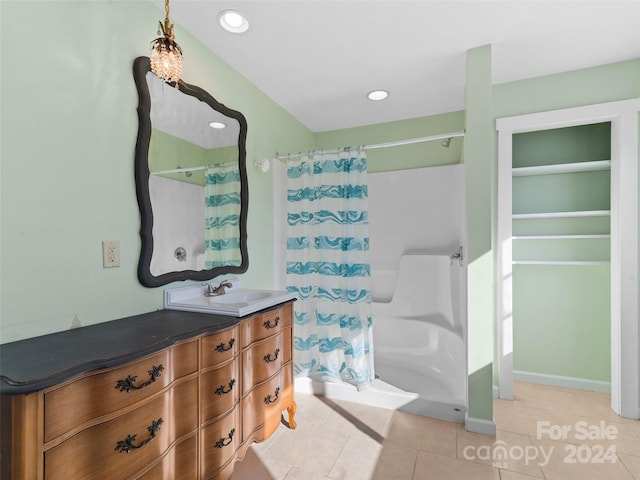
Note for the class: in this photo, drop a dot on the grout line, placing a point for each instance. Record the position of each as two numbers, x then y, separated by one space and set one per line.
333 465
291 467
620 460
531 441
415 465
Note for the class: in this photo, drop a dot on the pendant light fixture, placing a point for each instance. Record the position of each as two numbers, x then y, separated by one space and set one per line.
166 55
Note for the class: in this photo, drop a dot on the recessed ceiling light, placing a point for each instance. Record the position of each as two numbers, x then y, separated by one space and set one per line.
217 125
233 22
376 95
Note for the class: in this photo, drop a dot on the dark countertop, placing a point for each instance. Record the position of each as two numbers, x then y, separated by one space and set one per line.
36 363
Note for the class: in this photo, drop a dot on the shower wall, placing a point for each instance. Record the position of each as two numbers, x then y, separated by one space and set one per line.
175 225
412 211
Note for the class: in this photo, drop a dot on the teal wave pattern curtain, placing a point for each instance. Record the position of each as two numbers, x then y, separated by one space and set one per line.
328 267
222 216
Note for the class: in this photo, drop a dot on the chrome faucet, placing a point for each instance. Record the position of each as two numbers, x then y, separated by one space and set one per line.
212 291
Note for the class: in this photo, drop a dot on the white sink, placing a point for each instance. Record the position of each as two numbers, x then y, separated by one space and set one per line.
241 296
236 302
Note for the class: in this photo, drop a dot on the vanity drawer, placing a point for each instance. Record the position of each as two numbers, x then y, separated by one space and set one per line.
220 440
265 325
181 463
219 347
219 390
124 445
225 473
107 391
264 358
263 406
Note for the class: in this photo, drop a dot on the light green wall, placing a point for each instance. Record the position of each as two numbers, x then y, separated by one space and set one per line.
607 83
69 126
563 311
479 188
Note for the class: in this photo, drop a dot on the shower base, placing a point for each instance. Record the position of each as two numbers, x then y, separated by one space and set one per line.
385 395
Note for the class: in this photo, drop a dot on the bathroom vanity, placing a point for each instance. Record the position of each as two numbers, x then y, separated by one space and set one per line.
162 395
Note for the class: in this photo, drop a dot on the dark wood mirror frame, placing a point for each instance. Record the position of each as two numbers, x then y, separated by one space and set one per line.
141 67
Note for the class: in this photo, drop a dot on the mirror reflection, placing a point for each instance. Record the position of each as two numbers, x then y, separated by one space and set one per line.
196 184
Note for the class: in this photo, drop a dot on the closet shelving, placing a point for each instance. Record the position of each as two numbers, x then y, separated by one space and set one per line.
564 224
562 168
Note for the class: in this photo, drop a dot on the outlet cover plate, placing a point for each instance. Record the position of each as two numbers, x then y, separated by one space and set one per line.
110 253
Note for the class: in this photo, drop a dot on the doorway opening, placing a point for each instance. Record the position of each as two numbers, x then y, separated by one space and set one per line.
568 222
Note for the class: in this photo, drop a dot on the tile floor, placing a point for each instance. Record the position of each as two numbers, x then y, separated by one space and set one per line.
546 432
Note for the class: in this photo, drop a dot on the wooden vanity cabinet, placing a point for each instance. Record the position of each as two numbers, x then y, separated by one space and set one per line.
187 411
267 387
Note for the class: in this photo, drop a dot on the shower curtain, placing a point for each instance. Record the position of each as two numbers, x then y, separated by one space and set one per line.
328 267
222 215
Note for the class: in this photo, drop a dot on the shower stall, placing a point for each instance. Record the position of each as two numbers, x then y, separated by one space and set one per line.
418 292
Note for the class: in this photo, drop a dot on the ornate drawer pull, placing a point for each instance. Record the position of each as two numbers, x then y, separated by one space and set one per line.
221 391
267 323
127 444
222 348
223 442
127 384
268 400
267 358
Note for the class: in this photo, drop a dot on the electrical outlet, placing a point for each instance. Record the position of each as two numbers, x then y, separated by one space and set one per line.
110 253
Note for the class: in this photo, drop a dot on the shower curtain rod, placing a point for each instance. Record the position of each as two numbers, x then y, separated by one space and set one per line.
192 169
441 136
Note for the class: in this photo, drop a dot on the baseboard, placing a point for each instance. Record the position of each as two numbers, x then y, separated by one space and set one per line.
560 381
496 391
479 425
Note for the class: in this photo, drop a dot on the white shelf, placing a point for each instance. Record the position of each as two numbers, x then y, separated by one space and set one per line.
560 262
560 237
585 213
562 168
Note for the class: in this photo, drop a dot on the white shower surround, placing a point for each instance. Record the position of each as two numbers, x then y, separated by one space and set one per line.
416 219
176 224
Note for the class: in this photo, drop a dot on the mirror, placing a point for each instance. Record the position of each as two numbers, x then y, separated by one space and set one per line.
191 182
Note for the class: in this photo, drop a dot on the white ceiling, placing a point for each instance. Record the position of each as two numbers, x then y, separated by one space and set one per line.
319 58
